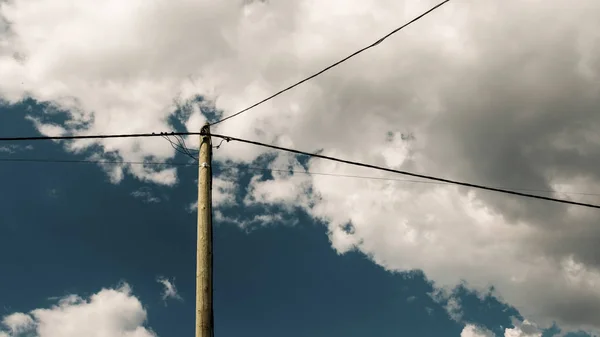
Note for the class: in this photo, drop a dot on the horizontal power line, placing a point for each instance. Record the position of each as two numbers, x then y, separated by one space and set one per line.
406 173
334 64
75 137
84 161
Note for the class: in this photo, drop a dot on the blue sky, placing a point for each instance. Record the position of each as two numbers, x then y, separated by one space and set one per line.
65 229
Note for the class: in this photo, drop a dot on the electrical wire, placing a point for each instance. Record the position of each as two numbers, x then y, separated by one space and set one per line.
220 143
184 145
82 161
312 173
181 143
411 174
229 138
334 64
180 146
125 135
250 168
175 146
263 169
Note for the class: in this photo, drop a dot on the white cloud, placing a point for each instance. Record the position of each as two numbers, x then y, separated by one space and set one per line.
225 187
520 329
13 148
290 189
193 207
475 331
502 93
110 312
146 195
18 322
523 329
262 220
454 309
169 291
223 192
451 302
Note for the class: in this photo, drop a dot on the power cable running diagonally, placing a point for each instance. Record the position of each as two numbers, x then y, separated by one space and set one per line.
423 176
256 168
335 64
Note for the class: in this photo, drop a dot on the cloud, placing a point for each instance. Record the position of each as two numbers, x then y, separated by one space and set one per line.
110 312
145 194
523 329
170 291
225 187
499 93
223 192
454 309
18 322
12 148
274 217
450 301
475 331
520 329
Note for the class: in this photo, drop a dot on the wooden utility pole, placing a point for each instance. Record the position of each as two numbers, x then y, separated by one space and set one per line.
204 304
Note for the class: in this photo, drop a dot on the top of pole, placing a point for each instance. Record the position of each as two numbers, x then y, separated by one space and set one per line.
205 129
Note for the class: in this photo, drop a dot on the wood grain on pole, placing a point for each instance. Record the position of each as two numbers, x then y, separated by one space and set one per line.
204 308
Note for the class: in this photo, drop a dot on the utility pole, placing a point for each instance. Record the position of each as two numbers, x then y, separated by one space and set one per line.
204 263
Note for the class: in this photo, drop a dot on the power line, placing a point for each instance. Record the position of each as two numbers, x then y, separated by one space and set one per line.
403 180
125 135
256 168
423 176
180 147
82 161
228 138
333 65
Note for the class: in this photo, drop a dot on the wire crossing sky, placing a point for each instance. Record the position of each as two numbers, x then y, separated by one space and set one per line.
255 168
335 64
380 168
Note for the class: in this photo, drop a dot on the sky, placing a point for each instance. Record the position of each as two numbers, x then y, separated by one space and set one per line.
497 93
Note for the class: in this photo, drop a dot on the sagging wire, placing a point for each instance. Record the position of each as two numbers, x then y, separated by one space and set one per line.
180 146
221 143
